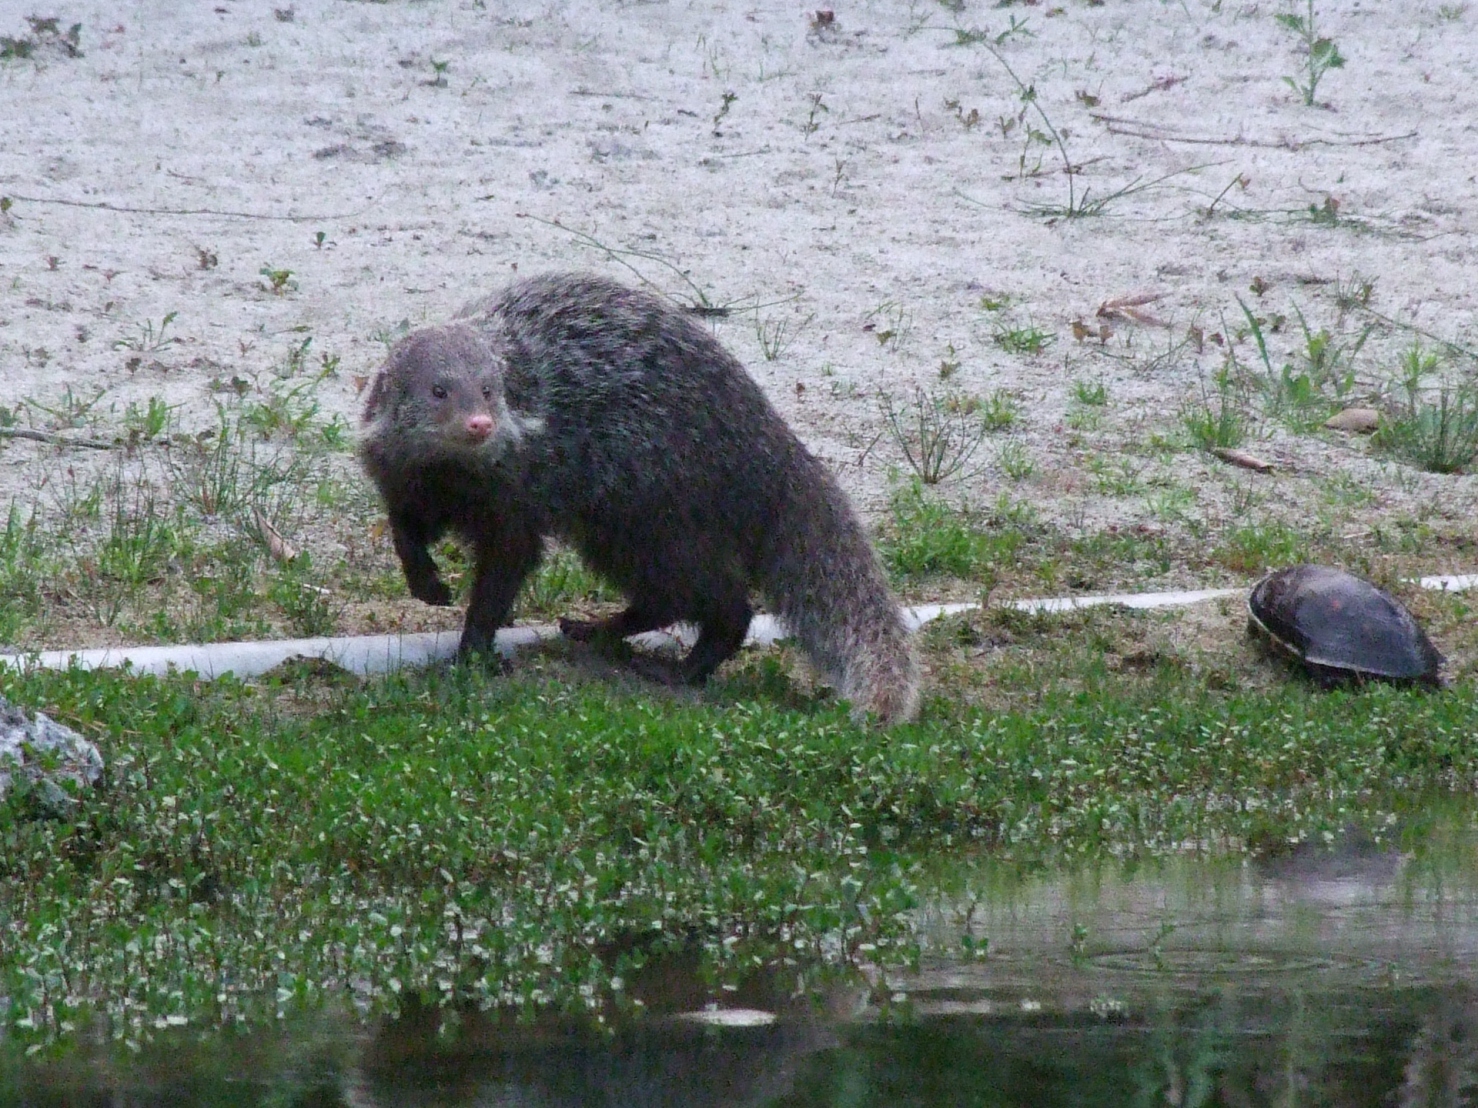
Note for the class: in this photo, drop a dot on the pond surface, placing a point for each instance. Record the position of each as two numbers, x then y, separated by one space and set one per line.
1343 977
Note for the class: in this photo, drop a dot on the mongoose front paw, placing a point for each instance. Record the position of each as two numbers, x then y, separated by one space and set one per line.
481 651
577 630
431 590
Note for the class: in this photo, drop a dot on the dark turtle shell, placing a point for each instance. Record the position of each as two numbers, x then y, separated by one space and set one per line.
1340 626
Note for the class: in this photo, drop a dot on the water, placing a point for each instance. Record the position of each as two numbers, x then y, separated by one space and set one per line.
1345 977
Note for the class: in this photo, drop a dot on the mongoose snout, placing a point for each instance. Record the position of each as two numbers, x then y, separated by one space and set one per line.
479 426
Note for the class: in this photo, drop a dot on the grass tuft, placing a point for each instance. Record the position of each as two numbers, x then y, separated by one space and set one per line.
1435 430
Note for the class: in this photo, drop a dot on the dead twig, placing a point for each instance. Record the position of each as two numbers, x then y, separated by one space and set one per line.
1160 84
1117 125
277 546
54 440
106 206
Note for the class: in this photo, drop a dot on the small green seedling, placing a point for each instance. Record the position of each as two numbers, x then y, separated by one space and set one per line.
1023 340
145 424
1094 394
278 280
1354 292
149 338
1016 462
1320 55
812 123
723 110
948 364
890 323
1217 421
389 336
968 120
999 411
775 335
45 32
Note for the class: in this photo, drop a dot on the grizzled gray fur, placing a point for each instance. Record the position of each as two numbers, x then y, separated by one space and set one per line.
573 407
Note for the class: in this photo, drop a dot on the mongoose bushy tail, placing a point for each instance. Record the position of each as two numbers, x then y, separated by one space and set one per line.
572 407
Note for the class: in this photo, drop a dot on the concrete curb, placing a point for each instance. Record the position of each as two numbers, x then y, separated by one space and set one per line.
370 654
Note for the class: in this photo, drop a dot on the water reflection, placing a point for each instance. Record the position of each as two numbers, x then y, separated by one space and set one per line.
1344 977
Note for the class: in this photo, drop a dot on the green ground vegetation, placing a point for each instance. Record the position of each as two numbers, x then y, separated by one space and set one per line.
464 837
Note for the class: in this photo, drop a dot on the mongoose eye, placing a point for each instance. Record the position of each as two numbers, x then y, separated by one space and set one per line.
438 391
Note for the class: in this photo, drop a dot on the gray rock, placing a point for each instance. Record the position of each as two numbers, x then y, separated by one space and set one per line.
44 753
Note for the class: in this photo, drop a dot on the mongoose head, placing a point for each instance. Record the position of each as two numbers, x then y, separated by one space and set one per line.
441 393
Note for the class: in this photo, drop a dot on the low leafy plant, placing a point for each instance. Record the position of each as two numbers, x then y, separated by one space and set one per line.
309 606
1083 418
46 36
890 323
1354 291
1116 476
456 839
999 410
1250 548
929 538
147 422
1435 429
560 582
1093 394
70 411
279 281
149 338
1023 340
775 334
136 542
1016 461
1319 54
1218 420
24 569
1317 380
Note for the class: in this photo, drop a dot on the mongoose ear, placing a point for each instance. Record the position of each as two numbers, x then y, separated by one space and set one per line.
379 398
373 405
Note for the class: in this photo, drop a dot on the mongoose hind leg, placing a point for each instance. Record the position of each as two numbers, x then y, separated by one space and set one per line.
501 566
720 635
634 620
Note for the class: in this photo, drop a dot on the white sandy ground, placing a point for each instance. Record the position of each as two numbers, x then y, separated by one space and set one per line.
844 191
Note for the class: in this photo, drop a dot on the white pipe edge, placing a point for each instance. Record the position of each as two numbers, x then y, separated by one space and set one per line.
370 654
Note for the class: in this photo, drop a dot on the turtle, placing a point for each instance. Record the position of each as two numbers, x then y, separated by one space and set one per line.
1341 627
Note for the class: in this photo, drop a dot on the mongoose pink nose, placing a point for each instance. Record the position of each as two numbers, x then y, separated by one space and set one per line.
479 426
